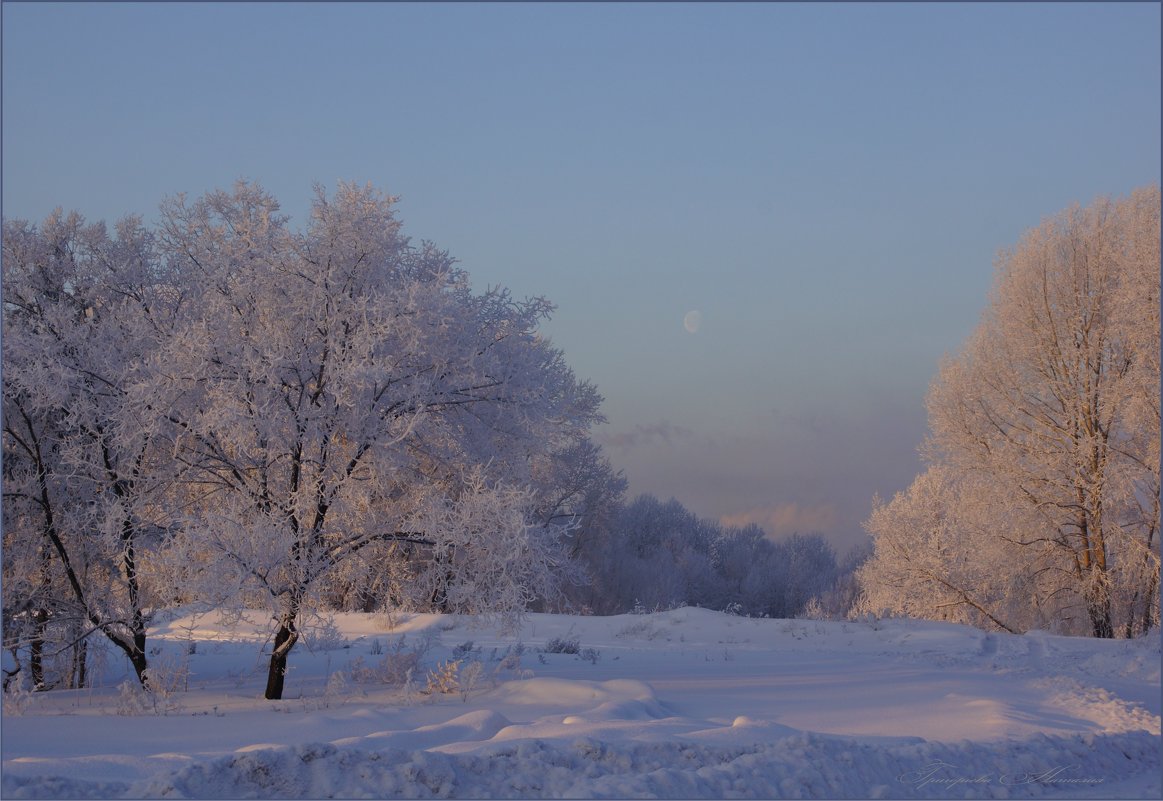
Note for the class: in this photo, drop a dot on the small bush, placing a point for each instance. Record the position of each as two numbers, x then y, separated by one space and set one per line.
131 700
16 699
395 669
469 678
558 645
643 629
409 690
335 690
445 679
324 636
510 661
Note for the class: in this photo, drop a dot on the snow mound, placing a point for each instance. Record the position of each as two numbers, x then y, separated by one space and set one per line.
742 731
471 727
1100 706
551 692
621 710
800 766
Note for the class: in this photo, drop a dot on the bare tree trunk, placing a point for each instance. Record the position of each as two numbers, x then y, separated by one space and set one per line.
1152 604
36 648
138 659
1098 606
439 598
285 639
80 663
10 675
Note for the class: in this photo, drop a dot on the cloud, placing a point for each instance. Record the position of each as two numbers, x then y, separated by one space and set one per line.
642 435
788 518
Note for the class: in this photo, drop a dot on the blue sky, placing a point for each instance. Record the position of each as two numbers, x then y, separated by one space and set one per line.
828 184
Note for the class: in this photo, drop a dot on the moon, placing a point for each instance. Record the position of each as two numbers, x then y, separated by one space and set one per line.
692 320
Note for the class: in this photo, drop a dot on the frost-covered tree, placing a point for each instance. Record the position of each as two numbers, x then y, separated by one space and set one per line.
840 600
81 311
803 568
577 487
574 490
343 395
945 549
1042 502
657 555
577 484
747 570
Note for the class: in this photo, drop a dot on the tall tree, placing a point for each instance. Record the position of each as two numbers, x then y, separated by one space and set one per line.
344 393
1051 413
81 311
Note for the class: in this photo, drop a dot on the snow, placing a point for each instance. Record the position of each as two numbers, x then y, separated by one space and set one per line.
681 704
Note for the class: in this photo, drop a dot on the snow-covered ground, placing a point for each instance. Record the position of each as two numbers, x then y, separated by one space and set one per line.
681 704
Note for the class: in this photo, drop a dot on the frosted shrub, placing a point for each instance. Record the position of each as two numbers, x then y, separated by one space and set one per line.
510 662
17 699
445 679
167 677
169 674
336 691
559 645
395 669
401 661
325 636
409 689
814 610
132 700
360 672
641 629
469 678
